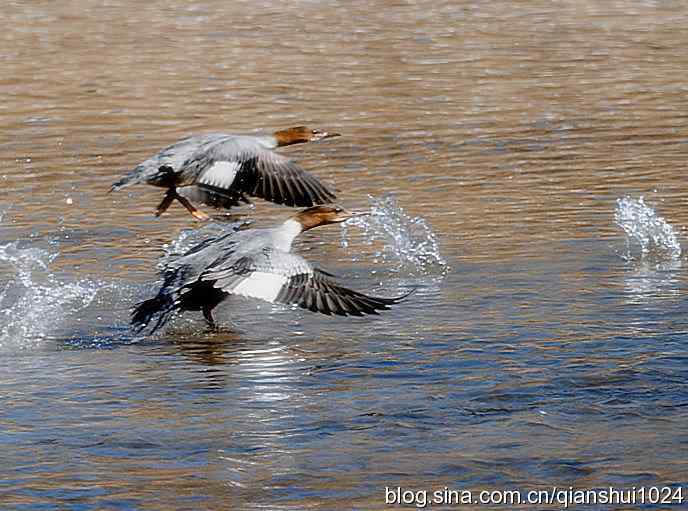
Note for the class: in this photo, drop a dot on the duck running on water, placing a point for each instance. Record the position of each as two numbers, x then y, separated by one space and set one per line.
255 263
221 170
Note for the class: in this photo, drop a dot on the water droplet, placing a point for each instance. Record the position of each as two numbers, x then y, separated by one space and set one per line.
407 241
33 302
647 231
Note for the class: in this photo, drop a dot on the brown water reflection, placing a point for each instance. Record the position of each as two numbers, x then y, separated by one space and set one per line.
511 127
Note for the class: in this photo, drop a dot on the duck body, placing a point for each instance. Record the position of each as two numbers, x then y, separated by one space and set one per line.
166 168
222 170
254 263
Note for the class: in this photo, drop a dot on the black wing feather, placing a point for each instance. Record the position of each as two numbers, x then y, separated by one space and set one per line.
272 177
317 292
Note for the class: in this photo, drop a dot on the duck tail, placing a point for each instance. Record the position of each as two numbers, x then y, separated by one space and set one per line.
132 178
159 309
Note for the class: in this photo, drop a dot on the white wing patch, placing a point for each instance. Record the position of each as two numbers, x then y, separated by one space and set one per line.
221 174
265 286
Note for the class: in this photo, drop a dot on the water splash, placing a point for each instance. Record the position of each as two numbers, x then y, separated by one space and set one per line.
649 237
409 242
34 304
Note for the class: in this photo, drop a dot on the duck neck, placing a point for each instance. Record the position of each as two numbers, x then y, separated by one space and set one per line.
268 141
287 233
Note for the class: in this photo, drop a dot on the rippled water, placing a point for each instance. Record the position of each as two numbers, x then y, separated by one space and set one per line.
503 148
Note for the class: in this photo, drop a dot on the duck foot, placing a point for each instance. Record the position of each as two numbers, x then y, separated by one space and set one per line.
195 212
166 202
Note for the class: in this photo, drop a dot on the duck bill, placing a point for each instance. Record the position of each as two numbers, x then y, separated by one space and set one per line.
327 134
354 214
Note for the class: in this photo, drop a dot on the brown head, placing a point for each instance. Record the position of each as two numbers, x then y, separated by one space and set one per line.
301 135
323 215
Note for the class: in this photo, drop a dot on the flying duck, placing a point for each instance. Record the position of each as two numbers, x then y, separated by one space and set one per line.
221 170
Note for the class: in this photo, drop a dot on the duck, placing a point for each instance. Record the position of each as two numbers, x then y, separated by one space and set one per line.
221 170
255 263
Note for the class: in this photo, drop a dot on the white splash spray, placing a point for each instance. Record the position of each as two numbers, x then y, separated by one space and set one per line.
33 303
648 236
407 242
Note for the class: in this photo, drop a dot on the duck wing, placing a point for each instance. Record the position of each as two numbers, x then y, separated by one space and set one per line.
282 277
239 165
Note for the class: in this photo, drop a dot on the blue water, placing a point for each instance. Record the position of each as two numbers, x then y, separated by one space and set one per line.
523 374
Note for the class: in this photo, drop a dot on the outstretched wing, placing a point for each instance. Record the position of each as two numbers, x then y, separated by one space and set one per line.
281 277
242 165
318 292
